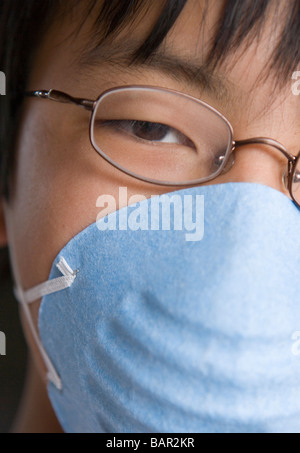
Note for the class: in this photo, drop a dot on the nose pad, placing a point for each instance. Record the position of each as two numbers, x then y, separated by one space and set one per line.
230 163
285 178
257 164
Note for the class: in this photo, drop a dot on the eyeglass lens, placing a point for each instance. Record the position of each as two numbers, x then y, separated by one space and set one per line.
160 135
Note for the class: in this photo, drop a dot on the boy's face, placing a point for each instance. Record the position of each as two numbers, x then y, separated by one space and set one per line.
59 176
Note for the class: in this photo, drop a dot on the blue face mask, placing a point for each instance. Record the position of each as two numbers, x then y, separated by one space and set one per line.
146 331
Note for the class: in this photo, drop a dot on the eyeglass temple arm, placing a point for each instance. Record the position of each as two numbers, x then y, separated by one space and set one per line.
59 96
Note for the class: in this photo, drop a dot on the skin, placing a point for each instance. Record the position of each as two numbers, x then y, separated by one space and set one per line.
58 199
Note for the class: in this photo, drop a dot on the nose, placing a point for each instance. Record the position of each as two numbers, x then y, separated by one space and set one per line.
259 163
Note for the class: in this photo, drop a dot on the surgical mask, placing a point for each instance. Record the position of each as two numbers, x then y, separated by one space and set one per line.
146 331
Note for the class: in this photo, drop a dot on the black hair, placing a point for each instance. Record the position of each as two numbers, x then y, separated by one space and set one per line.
24 22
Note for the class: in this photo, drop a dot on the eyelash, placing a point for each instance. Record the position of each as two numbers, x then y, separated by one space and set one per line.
127 126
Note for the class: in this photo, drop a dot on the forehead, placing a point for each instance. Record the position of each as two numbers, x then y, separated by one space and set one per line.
88 44
91 32
209 31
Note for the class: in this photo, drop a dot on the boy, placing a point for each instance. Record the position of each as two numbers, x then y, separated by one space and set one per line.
235 57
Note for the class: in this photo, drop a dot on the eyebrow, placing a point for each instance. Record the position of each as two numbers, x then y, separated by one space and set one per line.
182 69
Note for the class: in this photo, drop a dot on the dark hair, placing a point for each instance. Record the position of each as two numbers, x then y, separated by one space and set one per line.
23 24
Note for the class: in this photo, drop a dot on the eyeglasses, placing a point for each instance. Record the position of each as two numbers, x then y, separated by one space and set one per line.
165 137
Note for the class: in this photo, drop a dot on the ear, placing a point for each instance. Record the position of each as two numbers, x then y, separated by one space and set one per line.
3 236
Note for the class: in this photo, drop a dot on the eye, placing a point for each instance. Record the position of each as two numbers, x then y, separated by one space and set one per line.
151 132
154 132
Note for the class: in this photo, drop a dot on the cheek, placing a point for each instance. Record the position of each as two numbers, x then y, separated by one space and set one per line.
58 179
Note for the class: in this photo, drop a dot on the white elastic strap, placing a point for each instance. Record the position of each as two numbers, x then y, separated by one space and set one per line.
34 294
50 286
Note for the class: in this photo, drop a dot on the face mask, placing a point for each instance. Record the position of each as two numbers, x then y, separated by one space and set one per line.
146 331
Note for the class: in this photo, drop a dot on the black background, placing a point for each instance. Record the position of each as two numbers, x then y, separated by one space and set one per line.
13 364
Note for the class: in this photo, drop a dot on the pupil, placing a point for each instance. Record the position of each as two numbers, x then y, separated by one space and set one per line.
150 131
